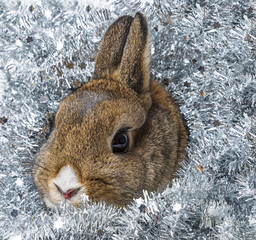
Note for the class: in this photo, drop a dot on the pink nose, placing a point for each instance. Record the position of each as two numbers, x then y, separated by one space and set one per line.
70 193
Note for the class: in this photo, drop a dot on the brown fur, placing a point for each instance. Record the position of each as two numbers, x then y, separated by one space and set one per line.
121 95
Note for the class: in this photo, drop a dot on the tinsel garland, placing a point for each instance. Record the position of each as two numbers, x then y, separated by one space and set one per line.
203 51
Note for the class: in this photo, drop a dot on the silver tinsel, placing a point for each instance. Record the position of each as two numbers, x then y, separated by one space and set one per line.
204 51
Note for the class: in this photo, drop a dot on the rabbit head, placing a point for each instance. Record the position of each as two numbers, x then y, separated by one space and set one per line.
119 134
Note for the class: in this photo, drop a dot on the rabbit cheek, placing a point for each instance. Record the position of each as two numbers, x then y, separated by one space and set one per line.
110 194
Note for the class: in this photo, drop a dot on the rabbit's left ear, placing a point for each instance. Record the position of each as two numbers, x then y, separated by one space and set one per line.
135 64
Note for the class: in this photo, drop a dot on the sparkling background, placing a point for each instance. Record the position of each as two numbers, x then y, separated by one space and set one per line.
203 51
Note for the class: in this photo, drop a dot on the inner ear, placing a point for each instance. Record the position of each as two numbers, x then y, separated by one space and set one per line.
135 65
111 49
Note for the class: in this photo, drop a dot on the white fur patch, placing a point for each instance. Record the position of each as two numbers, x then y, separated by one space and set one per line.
67 179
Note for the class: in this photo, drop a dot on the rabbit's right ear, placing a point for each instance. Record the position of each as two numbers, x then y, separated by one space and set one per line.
111 48
135 66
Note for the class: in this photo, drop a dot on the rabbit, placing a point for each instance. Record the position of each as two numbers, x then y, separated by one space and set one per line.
117 135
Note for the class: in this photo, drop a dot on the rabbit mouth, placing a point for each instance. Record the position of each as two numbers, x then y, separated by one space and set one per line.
57 198
53 202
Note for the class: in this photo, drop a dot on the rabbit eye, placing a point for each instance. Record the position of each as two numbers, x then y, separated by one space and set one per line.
120 143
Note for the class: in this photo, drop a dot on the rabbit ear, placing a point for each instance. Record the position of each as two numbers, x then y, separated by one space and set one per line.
135 65
111 49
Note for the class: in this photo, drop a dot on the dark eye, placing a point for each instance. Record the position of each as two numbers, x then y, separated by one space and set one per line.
120 143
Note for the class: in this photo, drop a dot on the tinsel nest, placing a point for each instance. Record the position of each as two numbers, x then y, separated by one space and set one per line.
204 52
